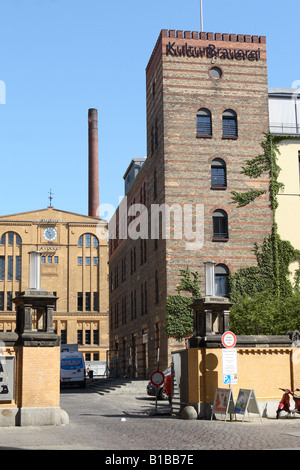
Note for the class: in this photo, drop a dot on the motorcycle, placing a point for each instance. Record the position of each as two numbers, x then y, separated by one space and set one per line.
284 404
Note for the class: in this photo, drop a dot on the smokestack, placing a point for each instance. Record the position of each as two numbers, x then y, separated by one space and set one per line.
93 164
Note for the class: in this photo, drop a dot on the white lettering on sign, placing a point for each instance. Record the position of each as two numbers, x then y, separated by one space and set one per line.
50 248
52 221
229 366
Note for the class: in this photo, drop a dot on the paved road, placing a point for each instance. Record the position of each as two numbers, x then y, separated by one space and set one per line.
125 422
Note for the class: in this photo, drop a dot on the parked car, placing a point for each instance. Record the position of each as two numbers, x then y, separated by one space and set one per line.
161 392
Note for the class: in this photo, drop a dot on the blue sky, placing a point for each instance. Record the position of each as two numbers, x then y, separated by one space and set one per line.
58 58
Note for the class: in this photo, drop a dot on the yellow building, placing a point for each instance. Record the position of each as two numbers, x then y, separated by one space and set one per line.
74 265
284 110
289 198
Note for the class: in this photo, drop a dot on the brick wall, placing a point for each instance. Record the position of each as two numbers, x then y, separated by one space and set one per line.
37 377
39 380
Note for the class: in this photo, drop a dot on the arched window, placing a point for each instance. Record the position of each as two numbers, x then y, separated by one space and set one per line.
221 280
11 238
88 240
204 127
230 128
218 173
220 225
10 261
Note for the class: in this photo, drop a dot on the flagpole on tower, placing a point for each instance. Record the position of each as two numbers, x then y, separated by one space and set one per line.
201 16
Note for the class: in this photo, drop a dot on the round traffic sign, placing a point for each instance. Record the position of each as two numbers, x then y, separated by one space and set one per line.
228 339
157 378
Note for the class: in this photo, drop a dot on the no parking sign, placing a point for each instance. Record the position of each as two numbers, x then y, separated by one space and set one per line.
157 378
228 339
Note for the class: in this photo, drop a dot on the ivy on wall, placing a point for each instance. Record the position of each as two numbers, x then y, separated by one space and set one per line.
247 282
263 294
179 317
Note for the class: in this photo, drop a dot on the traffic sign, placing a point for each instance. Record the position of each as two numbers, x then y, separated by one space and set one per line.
157 378
228 339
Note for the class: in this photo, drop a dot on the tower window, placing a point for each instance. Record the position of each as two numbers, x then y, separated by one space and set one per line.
218 173
220 225
230 129
221 280
204 126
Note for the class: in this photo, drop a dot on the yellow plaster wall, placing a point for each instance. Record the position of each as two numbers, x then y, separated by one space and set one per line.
289 200
262 369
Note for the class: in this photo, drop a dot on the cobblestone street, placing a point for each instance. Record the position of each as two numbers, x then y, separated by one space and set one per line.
125 422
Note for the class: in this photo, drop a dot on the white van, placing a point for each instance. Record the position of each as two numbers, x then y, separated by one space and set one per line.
72 368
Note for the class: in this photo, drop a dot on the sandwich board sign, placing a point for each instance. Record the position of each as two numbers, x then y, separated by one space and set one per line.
246 401
223 402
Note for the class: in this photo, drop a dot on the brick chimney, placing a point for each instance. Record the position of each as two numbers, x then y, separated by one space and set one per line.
93 164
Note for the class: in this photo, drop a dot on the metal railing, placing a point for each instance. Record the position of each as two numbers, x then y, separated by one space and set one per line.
284 128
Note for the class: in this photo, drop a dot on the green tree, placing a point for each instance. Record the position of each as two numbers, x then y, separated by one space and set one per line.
261 314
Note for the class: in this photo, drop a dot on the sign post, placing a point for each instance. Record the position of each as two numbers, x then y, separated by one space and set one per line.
229 358
229 363
157 379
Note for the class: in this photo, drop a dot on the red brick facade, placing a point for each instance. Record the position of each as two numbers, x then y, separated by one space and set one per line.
179 169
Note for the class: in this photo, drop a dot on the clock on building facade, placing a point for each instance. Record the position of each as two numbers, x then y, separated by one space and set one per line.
50 234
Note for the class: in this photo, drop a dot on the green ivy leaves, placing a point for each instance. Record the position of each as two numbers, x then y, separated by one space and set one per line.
179 318
265 301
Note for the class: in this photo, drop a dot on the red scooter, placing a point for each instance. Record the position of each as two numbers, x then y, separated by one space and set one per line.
284 404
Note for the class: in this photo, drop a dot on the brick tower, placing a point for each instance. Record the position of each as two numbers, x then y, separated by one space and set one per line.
207 110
